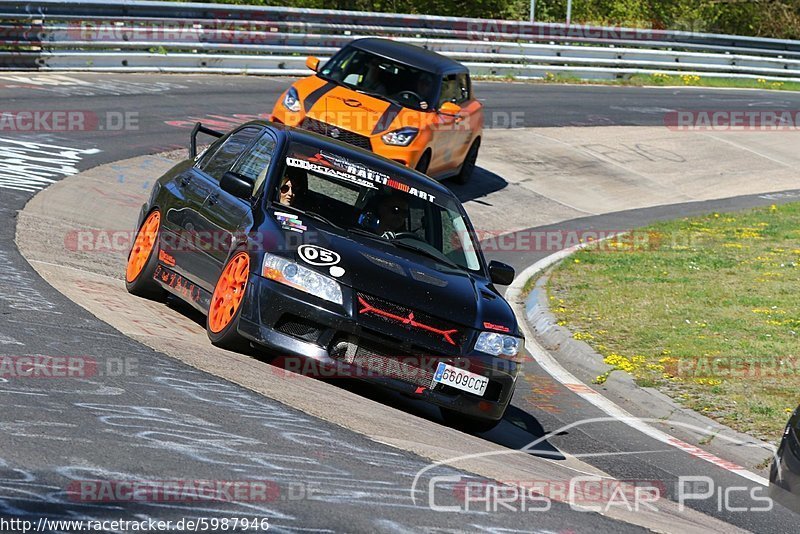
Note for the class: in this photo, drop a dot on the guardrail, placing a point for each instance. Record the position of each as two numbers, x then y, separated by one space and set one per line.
103 35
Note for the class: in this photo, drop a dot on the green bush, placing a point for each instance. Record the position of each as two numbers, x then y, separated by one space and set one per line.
774 18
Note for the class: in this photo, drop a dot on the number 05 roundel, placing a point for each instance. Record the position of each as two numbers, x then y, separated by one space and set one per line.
318 256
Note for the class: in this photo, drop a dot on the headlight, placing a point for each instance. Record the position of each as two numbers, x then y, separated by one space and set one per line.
291 101
499 345
292 274
401 137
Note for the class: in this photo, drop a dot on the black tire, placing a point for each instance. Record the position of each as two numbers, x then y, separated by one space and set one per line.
424 162
143 285
468 166
466 423
229 337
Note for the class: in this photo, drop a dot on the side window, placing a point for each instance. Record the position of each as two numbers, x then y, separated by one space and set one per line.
450 241
464 88
450 91
255 163
454 236
221 160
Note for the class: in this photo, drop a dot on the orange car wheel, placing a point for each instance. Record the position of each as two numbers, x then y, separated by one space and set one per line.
226 302
143 259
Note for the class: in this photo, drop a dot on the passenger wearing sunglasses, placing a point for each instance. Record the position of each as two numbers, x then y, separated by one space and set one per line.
292 188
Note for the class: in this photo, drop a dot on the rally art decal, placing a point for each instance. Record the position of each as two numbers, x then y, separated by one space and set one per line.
321 257
356 173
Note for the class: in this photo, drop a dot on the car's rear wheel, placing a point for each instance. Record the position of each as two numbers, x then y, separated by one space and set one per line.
468 167
226 303
466 423
424 162
143 260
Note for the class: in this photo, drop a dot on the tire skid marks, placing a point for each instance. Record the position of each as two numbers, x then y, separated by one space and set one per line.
30 166
68 86
8 340
17 293
279 445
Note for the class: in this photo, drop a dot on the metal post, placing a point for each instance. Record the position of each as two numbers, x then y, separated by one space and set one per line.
533 10
569 12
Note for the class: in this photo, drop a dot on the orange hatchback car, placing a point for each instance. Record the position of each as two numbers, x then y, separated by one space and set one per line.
400 101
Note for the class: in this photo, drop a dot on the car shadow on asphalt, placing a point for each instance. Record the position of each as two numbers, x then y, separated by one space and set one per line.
518 430
482 183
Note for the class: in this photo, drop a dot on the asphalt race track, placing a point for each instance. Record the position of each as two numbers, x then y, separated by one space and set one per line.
166 420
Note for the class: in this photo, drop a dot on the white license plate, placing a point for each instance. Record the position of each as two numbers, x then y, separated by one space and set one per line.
460 379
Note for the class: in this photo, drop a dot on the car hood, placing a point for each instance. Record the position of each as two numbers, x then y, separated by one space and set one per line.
410 280
353 111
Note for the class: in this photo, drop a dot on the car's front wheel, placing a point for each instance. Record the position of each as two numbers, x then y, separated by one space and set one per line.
466 423
226 303
468 167
143 260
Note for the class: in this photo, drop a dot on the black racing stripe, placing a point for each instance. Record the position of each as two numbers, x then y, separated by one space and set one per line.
387 118
311 99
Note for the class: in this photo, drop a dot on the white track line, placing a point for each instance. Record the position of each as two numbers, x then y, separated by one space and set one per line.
547 362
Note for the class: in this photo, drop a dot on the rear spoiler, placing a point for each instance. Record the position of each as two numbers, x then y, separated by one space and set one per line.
199 128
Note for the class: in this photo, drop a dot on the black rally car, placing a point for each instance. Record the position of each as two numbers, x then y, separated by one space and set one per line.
784 476
325 253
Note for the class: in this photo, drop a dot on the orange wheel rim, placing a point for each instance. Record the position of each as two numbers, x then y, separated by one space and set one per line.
229 293
143 246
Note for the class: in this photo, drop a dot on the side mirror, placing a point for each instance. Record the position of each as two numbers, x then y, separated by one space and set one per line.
448 108
312 63
237 185
500 273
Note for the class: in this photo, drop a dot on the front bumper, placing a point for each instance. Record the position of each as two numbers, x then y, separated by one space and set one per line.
322 339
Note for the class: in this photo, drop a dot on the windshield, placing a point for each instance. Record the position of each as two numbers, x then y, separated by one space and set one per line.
366 202
385 78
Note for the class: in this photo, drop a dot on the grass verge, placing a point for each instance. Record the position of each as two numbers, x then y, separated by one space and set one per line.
705 309
665 80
